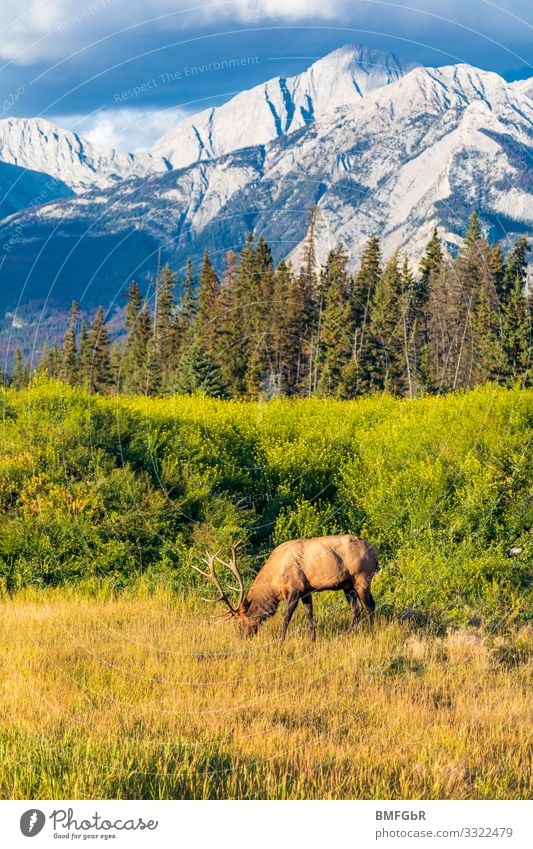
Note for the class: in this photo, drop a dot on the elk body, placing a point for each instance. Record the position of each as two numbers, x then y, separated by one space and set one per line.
294 571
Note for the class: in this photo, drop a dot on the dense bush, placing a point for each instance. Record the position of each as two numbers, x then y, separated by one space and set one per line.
108 489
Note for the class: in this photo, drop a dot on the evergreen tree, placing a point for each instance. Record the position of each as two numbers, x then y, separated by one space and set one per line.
189 302
131 369
473 234
259 318
357 377
98 376
207 318
286 372
17 375
238 337
430 275
147 376
313 304
336 332
386 358
473 303
69 358
497 268
516 318
163 357
42 365
226 328
83 356
515 270
198 372
115 361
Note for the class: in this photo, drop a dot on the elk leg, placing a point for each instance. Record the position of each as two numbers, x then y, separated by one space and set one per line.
367 601
291 607
307 602
355 606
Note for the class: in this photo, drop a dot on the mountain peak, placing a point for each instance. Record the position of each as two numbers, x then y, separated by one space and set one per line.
39 145
280 106
355 55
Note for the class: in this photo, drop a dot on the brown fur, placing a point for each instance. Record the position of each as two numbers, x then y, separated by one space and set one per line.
298 568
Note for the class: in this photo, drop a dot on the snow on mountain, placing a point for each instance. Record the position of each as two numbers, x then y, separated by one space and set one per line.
424 150
270 110
41 146
524 87
280 106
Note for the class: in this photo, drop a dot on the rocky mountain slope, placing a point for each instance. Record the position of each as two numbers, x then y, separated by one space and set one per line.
38 145
424 149
280 106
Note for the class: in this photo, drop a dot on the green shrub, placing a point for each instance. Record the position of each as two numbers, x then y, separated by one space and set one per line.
116 488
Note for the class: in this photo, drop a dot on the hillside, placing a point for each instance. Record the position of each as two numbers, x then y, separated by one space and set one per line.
131 488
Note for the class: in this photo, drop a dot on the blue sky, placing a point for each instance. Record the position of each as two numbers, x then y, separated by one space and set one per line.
76 62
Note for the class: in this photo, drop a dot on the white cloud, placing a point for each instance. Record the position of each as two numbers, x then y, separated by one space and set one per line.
122 129
51 29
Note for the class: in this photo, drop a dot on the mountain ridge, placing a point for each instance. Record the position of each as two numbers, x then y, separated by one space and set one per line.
421 151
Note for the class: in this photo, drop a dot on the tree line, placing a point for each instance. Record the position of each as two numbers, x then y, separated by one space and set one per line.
266 330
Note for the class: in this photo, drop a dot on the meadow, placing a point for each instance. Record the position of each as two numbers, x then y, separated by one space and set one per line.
116 682
143 698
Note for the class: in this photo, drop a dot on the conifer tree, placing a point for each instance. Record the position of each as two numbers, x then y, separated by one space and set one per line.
357 378
83 356
497 268
69 359
286 373
516 318
430 275
98 376
227 337
238 338
163 358
198 372
115 362
515 270
472 302
17 375
259 318
336 332
55 361
207 318
386 361
131 379
42 365
189 301
184 324
312 297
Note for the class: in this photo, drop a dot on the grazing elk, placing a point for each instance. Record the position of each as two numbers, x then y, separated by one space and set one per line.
294 571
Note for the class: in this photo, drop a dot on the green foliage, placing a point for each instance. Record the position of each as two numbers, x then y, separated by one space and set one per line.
95 488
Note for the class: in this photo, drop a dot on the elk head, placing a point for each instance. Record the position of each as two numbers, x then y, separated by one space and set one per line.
248 624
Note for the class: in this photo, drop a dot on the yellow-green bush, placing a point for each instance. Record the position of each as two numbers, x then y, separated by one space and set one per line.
113 488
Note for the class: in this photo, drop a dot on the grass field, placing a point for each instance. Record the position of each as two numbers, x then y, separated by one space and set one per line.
144 697
115 684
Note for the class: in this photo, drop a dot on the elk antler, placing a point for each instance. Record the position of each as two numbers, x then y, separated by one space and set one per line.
234 569
212 576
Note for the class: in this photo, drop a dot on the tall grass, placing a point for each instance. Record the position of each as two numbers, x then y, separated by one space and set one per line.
143 697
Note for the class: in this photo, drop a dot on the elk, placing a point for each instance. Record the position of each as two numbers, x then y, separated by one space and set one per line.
294 571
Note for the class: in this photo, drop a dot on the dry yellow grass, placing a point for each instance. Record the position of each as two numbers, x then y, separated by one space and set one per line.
144 698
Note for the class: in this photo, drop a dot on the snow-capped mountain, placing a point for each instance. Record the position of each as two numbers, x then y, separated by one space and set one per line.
270 110
423 150
524 87
38 145
280 106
